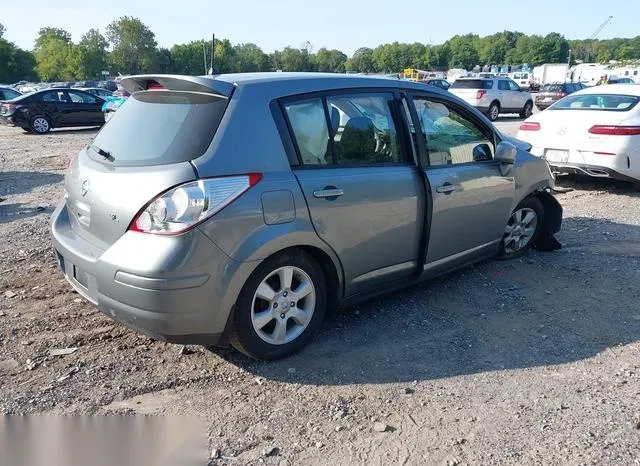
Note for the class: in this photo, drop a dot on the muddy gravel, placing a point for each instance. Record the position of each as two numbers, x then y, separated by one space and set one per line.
531 361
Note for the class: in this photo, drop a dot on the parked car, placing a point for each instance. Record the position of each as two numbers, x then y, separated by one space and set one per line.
41 111
594 132
6 93
441 83
109 85
97 91
213 236
550 93
621 81
85 84
493 96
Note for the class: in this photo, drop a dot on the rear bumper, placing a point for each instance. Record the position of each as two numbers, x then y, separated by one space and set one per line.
169 288
595 171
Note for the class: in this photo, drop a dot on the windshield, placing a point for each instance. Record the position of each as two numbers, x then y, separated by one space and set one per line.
161 127
607 102
472 84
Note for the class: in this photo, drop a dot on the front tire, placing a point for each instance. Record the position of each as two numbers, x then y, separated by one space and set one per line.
494 111
40 125
523 228
280 307
527 110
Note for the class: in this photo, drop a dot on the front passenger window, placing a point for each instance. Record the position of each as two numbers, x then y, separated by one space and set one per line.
451 137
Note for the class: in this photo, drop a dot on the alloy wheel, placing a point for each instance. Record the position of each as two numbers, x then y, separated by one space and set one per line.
41 125
283 305
520 230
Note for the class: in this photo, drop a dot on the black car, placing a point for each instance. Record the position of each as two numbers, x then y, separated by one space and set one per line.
6 93
441 83
109 85
550 93
41 111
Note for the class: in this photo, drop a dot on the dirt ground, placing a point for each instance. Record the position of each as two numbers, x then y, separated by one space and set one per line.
532 361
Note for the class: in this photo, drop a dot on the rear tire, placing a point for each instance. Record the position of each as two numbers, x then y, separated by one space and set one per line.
494 111
523 228
277 327
40 124
527 110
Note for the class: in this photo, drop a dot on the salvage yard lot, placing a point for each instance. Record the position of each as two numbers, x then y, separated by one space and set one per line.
535 360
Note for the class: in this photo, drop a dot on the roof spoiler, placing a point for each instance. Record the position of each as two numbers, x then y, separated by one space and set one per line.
177 82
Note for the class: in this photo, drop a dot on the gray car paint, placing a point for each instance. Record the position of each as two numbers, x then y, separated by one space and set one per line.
183 288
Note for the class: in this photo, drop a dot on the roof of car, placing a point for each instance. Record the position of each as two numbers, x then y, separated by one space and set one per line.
627 89
305 78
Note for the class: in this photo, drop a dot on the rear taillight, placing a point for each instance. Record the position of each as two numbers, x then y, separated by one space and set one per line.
607 130
480 94
8 109
189 204
530 126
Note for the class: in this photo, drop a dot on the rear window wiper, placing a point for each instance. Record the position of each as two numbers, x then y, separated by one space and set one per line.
107 155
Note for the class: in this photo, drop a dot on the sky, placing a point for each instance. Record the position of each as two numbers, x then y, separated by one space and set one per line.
341 24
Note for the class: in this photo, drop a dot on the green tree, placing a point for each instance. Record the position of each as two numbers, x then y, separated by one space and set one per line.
48 33
134 46
93 54
291 59
331 61
2 29
188 58
250 58
57 58
361 61
463 52
16 63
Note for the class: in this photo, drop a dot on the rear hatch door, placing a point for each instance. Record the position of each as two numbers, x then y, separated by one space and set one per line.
144 150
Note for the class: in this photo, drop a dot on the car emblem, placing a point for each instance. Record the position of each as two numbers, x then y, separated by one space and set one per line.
562 131
84 189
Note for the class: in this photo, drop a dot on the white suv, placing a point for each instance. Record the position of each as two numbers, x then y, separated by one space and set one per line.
493 96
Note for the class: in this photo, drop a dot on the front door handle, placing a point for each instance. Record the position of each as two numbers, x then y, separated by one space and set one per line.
446 188
328 192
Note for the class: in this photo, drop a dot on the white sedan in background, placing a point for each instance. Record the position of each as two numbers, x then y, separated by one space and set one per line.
594 132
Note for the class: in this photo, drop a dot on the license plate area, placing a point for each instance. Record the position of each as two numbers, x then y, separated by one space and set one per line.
555 155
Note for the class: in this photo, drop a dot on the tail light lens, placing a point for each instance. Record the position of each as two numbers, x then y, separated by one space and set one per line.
530 126
480 94
189 204
615 130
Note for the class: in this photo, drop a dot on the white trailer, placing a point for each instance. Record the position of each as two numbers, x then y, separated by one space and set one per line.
550 73
587 73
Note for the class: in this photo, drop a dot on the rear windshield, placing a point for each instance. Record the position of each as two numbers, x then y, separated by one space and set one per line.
472 84
520 75
608 102
552 88
161 127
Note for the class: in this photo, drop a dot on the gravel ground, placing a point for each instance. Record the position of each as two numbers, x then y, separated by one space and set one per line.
532 361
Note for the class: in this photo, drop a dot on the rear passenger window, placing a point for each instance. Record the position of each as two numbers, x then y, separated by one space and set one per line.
50 97
355 129
309 126
503 85
363 130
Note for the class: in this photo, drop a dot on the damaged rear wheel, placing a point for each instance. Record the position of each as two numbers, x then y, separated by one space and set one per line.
523 228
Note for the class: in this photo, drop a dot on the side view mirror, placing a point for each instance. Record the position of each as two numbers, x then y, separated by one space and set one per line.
481 152
506 155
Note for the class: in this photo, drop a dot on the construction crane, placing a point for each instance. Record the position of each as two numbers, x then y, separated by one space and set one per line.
600 28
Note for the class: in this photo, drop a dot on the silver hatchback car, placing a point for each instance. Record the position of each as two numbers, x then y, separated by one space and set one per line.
241 208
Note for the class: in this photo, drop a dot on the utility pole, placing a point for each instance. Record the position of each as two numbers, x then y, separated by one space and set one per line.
213 49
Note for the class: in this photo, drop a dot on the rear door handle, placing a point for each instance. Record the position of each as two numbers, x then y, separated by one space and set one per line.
446 188
328 192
